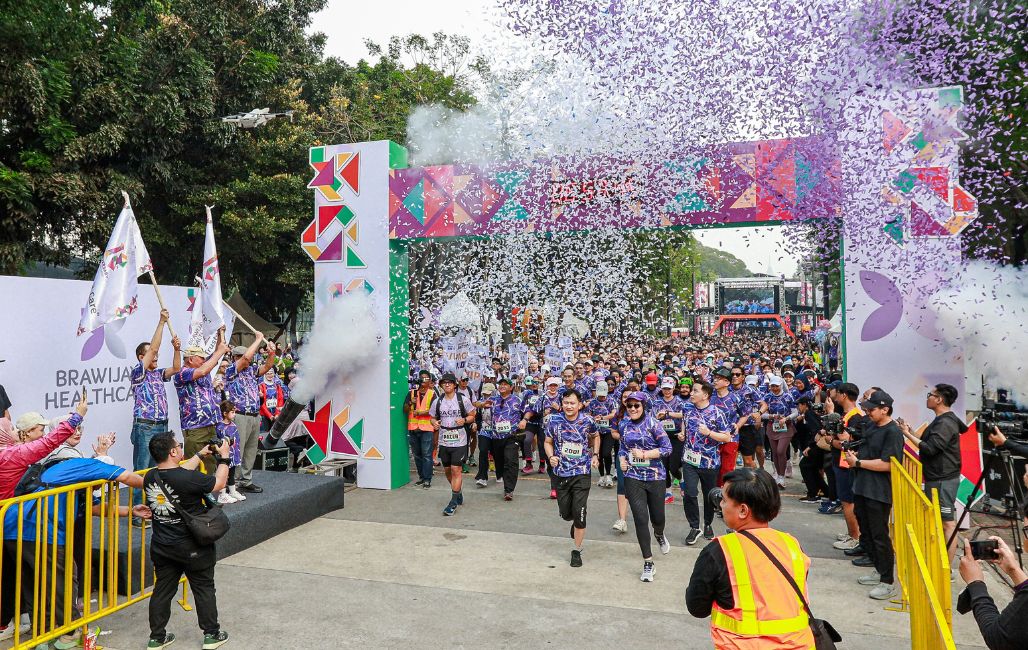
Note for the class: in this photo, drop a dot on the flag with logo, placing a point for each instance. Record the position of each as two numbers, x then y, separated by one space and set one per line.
212 308
115 290
196 322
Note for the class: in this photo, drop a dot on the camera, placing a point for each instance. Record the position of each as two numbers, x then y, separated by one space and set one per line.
819 408
714 496
852 445
832 423
214 443
1011 423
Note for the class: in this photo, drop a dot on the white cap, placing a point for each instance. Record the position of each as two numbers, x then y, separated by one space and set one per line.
28 420
667 383
553 381
752 380
775 380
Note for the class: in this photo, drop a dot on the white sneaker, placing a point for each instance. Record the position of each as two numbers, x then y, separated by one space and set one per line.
482 483
870 580
620 526
788 469
665 545
883 591
236 494
648 571
8 632
225 498
842 537
846 544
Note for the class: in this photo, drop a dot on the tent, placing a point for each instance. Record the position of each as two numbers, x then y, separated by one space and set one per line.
241 334
836 322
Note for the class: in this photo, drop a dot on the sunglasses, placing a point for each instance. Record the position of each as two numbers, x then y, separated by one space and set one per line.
737 374
634 406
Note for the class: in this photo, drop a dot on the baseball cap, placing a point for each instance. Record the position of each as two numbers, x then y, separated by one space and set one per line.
505 380
776 381
834 384
553 381
529 380
637 395
546 367
651 379
723 373
194 351
448 377
239 350
668 382
488 389
878 398
601 389
752 380
28 420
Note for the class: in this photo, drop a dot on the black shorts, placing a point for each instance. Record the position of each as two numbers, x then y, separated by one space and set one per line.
750 438
453 456
572 495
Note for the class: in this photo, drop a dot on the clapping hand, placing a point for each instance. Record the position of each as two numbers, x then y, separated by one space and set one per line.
103 443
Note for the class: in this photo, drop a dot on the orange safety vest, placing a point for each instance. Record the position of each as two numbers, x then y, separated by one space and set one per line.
767 611
419 422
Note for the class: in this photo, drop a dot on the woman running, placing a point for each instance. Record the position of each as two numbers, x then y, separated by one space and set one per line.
780 413
643 443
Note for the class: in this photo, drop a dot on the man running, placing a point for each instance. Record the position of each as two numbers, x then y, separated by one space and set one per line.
707 429
668 409
573 447
508 419
451 415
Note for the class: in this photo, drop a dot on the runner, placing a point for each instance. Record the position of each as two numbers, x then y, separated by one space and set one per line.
549 405
534 436
484 412
643 444
451 415
668 409
779 416
508 419
732 404
706 429
602 409
573 447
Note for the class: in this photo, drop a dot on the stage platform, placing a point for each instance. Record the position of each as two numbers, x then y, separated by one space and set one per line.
289 500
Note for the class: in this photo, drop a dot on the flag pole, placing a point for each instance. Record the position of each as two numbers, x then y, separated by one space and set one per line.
241 319
153 279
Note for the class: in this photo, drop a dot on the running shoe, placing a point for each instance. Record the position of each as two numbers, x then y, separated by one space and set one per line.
870 580
883 591
576 558
825 506
862 561
788 469
669 498
213 641
508 496
482 483
708 532
420 482
427 485
620 526
841 537
168 639
553 494
225 498
781 483
527 469
665 545
464 469
694 534
450 508
846 544
836 509
648 571
473 462
809 500
542 468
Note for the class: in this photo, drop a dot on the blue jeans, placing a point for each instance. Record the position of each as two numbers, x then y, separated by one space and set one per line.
141 434
421 447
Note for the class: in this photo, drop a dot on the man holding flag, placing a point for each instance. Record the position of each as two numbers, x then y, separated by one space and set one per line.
199 406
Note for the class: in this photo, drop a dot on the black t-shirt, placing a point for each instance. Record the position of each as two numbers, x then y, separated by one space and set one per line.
5 401
189 488
880 443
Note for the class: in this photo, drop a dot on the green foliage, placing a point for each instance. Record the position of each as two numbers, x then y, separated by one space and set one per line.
110 96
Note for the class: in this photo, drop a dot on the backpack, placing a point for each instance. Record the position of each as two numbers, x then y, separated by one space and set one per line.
32 480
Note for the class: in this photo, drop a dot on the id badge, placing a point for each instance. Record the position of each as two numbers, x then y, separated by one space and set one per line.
779 427
693 458
571 449
670 425
503 427
450 436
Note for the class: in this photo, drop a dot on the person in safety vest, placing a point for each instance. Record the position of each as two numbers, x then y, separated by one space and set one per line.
420 432
750 603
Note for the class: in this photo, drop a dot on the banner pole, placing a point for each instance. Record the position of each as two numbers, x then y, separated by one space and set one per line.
241 319
160 299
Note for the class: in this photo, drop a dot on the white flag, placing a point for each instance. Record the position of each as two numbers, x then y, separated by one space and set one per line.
212 309
115 290
196 323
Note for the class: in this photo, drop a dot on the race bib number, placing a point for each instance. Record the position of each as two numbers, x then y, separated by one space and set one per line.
693 458
271 404
779 427
639 462
670 425
503 427
603 425
571 449
450 436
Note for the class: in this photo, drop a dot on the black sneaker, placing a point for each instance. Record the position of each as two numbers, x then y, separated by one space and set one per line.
694 534
250 487
154 644
810 500
856 551
420 482
862 561
427 484
576 558
212 641
708 532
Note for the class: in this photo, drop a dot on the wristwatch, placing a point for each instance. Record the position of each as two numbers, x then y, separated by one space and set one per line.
857 464
224 461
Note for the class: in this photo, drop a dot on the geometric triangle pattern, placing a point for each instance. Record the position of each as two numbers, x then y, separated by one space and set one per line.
335 435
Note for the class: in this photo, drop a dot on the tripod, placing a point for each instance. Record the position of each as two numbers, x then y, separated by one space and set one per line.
1011 503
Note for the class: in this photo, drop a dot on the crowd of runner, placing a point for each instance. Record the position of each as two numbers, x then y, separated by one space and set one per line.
657 421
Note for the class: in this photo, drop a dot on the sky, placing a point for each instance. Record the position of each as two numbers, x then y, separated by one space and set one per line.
347 24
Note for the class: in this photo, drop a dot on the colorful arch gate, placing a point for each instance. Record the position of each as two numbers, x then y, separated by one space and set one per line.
369 203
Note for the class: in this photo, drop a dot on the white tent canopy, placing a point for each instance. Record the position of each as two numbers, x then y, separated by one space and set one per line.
836 322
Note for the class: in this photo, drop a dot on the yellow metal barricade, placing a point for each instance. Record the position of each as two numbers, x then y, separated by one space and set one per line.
922 563
52 559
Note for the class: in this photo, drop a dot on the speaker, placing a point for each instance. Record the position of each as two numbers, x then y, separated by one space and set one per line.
996 484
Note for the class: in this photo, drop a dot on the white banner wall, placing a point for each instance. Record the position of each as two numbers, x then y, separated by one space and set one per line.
46 365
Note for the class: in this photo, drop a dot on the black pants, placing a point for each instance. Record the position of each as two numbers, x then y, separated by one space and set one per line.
55 595
873 518
673 461
197 563
811 467
572 498
646 498
483 460
830 476
505 455
706 480
608 449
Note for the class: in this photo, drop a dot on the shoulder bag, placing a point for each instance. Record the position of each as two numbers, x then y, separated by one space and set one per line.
207 527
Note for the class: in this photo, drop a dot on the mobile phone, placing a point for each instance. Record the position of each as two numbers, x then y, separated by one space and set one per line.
984 549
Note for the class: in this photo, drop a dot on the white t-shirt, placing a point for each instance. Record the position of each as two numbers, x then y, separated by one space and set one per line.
447 411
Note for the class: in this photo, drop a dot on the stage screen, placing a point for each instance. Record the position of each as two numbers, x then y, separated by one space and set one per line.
748 300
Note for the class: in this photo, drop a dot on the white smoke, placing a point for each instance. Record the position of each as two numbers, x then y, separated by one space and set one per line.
986 315
344 340
439 135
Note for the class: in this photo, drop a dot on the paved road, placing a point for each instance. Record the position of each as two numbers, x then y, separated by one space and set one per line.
390 571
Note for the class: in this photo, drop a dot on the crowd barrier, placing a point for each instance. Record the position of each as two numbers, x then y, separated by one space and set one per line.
922 563
53 568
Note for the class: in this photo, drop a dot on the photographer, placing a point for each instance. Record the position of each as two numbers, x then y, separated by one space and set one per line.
172 547
872 490
749 502
939 450
808 425
1006 630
